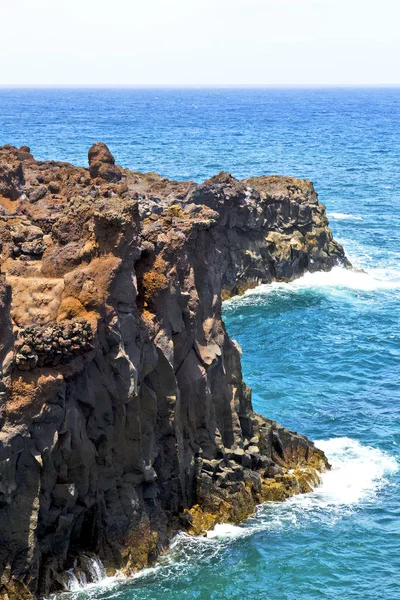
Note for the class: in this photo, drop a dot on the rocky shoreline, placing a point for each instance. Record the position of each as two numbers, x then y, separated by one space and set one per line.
124 417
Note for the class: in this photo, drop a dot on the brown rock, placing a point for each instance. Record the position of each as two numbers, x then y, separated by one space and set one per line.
102 163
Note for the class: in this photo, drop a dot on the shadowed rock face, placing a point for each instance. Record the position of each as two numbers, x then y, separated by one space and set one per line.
123 413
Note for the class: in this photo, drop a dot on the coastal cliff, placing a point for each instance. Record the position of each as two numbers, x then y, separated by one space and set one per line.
124 417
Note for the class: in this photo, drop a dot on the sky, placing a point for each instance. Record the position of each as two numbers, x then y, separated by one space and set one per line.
200 42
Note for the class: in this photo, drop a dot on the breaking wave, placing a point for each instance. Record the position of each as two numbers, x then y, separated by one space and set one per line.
338 216
338 282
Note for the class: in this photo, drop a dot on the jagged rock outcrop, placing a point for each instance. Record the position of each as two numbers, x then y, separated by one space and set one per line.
39 346
123 413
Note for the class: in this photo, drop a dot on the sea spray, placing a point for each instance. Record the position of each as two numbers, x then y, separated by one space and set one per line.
357 473
75 583
89 575
337 279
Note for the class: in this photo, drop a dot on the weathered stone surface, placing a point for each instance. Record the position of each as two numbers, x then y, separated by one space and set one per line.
53 345
123 412
102 163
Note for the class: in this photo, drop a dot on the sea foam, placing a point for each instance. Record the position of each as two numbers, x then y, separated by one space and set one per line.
347 279
357 473
338 281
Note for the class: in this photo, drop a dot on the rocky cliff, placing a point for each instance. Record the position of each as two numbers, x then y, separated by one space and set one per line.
123 413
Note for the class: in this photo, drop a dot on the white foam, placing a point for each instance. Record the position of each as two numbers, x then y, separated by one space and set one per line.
81 589
336 282
102 584
357 473
342 278
344 216
225 531
99 581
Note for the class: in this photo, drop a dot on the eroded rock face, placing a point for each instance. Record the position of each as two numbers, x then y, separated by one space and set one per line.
123 412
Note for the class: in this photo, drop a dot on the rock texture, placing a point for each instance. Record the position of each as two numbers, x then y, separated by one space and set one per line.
123 413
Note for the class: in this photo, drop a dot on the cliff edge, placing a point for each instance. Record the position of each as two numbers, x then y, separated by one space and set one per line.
124 416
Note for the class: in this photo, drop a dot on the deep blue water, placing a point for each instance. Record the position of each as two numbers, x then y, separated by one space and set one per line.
322 354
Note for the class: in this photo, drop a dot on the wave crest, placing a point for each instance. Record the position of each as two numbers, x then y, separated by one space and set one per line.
338 216
338 281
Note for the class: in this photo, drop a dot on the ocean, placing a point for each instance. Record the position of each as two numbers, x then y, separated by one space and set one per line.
321 353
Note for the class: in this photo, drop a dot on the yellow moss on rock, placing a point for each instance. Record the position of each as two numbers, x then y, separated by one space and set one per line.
212 509
140 547
226 295
201 521
307 479
154 280
175 210
241 289
14 590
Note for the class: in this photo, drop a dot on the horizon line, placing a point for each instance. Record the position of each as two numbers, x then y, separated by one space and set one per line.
201 86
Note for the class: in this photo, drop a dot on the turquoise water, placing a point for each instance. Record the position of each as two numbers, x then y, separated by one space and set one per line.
322 353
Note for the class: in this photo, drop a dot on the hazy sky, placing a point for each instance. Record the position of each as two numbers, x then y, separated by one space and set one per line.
172 42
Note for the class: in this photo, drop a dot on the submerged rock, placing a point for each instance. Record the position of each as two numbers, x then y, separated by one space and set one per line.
123 412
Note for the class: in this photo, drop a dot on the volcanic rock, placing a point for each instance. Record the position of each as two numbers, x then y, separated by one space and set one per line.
123 412
102 163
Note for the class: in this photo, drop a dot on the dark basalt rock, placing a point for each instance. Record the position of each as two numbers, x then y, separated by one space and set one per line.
123 412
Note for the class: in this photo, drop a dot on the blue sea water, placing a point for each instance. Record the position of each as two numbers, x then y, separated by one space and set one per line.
321 354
